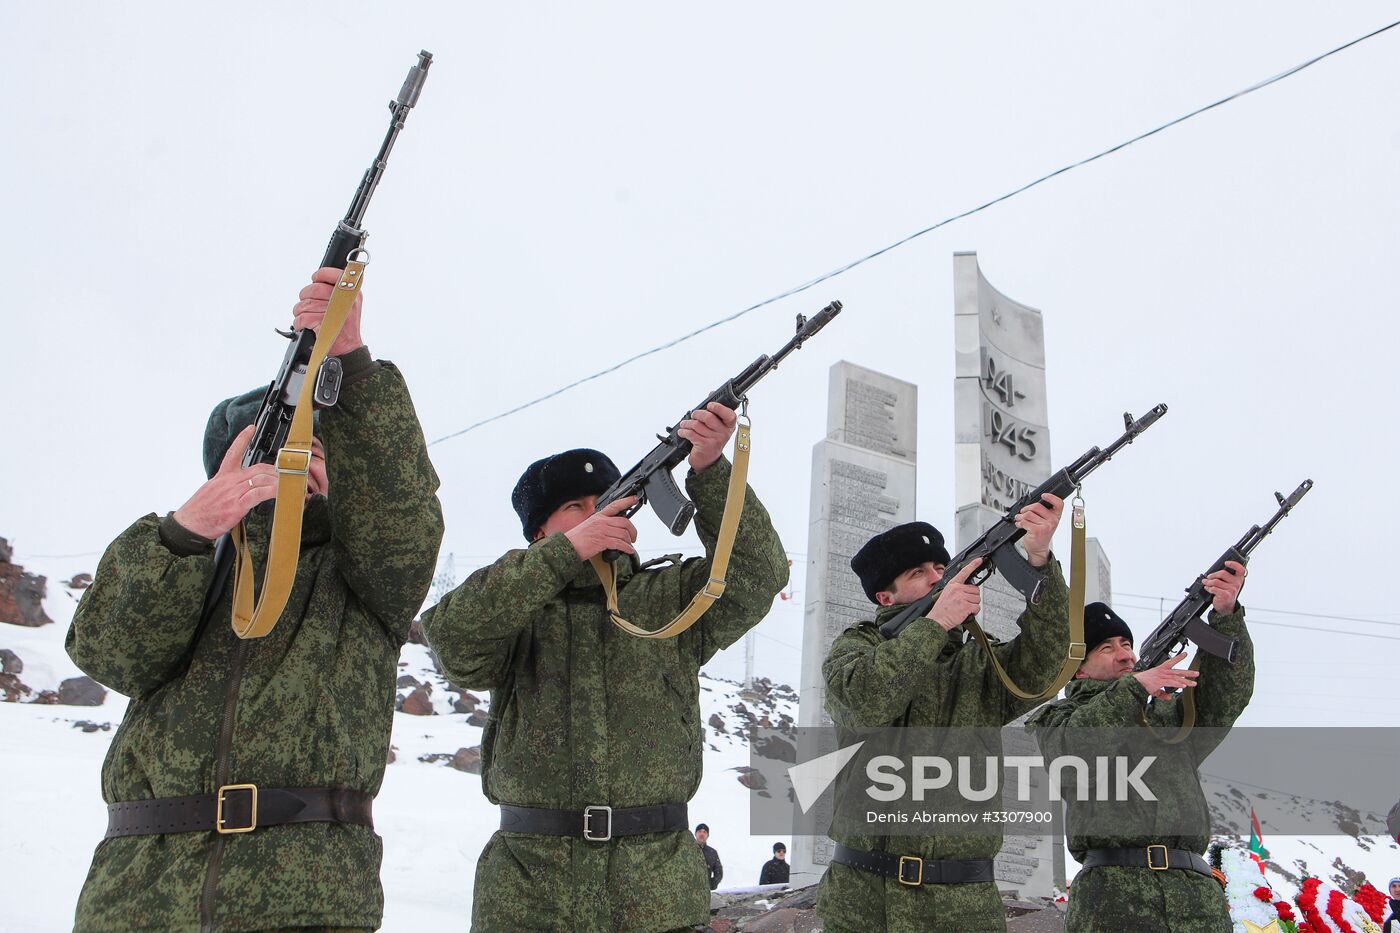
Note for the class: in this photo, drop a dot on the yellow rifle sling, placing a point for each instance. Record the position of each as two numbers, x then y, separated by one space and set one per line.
719 566
1075 655
293 461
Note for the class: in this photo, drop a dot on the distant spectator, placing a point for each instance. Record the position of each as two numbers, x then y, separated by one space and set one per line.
1392 923
776 869
712 865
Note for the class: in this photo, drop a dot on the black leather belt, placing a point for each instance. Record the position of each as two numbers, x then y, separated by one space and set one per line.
239 808
914 871
1155 857
595 824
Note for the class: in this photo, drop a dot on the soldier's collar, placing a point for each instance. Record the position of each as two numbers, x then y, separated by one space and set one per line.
1086 686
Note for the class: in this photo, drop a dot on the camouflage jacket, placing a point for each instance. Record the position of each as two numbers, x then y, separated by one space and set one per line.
927 677
1222 693
314 704
584 714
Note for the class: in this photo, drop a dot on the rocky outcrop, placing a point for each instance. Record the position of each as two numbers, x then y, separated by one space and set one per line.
418 702
795 911
10 662
468 760
21 594
81 691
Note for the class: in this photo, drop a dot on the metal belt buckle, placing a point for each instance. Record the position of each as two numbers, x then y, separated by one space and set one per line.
588 832
1162 867
918 863
1076 651
293 460
219 827
713 588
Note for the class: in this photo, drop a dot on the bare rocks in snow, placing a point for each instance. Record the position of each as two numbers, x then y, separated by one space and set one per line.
10 662
81 691
79 581
21 594
418 703
468 759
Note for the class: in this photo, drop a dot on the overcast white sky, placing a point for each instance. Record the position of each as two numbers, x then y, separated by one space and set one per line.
581 182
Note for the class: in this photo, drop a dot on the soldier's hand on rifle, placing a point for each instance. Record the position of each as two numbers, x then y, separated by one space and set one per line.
708 429
1164 680
222 502
1225 585
310 310
1039 521
958 600
605 530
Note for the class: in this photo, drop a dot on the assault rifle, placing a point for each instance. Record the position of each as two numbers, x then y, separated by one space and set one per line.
651 481
1185 623
996 545
274 417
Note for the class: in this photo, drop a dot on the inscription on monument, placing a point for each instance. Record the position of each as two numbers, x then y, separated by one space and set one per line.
870 419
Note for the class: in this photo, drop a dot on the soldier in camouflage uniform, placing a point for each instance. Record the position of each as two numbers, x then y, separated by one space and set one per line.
584 716
1118 888
303 713
931 675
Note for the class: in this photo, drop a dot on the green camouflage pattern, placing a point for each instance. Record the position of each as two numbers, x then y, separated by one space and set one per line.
927 677
1112 898
584 714
317 697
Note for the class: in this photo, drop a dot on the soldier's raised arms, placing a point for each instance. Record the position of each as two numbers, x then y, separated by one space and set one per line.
284 737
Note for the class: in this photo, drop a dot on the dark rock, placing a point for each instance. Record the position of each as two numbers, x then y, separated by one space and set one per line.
415 633
46 697
466 702
393 755
753 780
478 717
10 662
417 703
12 688
770 746
784 920
717 722
434 757
81 691
22 597
88 725
5 551
720 925
468 759
80 581
406 680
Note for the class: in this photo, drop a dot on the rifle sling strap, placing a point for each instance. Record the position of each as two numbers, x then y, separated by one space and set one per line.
293 460
719 564
1075 656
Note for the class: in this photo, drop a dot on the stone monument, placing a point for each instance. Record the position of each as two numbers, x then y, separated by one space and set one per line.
863 479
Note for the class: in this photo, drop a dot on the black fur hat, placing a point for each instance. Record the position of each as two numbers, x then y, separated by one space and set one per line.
1101 623
890 553
549 483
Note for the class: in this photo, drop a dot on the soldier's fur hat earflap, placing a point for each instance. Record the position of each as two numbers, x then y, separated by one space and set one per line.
228 418
890 553
1101 623
549 483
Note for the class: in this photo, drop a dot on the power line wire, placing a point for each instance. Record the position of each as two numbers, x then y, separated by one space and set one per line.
1306 628
1286 612
797 289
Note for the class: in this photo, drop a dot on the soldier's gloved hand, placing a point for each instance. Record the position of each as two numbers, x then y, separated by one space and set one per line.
222 502
310 311
1040 521
708 429
1225 586
605 530
958 600
1162 680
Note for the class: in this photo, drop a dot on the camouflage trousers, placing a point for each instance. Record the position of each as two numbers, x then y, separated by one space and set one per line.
1112 899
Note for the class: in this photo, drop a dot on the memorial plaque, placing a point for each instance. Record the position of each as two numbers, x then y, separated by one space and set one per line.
863 477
